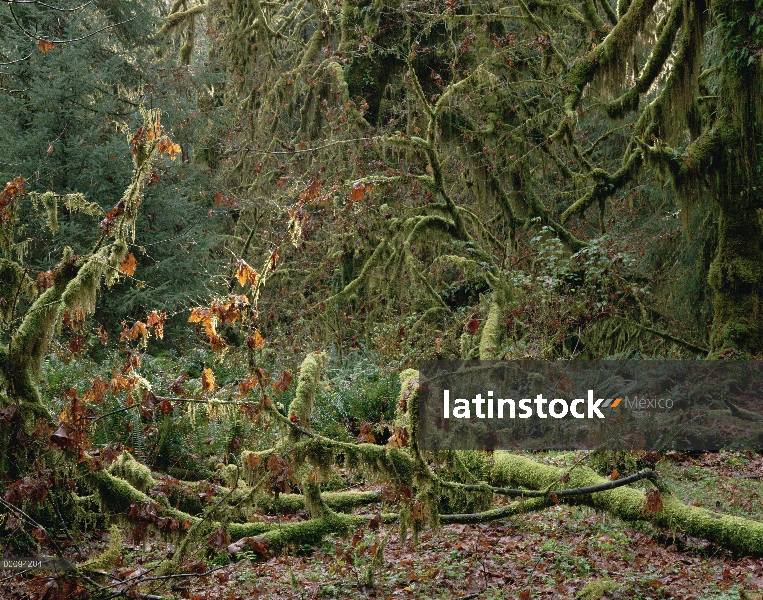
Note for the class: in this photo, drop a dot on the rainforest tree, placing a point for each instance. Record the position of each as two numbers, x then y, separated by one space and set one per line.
409 145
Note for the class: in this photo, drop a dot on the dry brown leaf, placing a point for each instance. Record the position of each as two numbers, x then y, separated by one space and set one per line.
207 380
128 265
45 46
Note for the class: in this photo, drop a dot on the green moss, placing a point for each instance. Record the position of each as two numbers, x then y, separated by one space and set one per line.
399 465
138 475
668 29
312 531
117 495
606 55
50 202
409 382
242 530
77 203
309 376
737 534
230 474
596 589
109 558
492 331
14 284
353 286
338 501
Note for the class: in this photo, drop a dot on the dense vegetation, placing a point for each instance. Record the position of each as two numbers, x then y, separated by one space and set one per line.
231 229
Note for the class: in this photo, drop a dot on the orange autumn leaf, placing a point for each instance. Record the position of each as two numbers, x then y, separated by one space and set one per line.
255 341
253 461
313 189
273 261
358 188
247 385
207 317
199 315
128 265
166 145
97 391
245 273
157 322
652 502
207 380
132 333
77 344
283 383
45 46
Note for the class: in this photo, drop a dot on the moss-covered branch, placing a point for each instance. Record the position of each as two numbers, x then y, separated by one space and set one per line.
178 18
604 55
301 407
609 11
605 185
629 101
696 159
355 284
492 331
735 533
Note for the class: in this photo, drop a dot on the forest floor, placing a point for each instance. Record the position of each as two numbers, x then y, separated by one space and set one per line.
563 552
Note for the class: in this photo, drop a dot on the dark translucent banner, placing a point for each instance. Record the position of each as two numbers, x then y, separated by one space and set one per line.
610 404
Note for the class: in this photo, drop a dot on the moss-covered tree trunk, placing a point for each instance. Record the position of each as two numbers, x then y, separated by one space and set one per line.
736 275
75 286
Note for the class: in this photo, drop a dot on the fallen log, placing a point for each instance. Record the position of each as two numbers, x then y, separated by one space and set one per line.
740 535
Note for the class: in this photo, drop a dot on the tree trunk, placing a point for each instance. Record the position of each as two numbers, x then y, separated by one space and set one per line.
736 275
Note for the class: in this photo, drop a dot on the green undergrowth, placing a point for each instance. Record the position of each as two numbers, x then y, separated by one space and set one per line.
196 437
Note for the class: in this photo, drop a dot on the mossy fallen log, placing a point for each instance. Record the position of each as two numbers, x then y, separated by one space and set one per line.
117 495
406 466
740 535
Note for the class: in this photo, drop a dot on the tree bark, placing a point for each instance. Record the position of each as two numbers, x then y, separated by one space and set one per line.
736 275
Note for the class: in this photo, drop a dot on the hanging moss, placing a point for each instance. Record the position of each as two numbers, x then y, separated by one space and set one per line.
82 291
77 203
409 382
668 29
606 185
352 287
175 19
14 284
31 339
608 55
50 202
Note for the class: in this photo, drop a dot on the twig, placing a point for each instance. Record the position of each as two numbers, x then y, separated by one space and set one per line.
591 489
